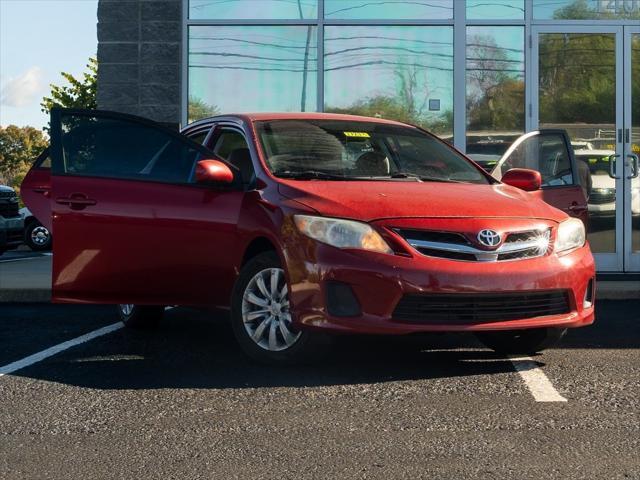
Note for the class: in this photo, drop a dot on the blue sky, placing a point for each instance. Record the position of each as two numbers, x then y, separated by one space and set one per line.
38 40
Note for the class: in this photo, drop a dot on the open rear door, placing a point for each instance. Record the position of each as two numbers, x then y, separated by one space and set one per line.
565 183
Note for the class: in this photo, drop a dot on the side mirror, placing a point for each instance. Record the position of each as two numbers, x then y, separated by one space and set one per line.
213 171
523 178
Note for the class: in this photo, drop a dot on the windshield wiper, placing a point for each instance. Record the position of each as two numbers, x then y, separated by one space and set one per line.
309 175
422 178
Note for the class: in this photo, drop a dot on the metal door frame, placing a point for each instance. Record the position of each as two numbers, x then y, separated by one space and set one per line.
605 262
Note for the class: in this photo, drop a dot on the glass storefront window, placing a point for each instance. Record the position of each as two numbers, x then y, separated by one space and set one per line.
253 9
585 9
389 9
252 68
495 91
577 81
495 10
401 73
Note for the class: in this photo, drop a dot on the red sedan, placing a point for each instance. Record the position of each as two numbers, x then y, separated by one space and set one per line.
303 224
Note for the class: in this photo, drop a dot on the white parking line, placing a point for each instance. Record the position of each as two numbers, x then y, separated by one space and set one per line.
38 357
539 385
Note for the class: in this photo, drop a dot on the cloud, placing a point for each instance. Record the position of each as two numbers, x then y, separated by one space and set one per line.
22 90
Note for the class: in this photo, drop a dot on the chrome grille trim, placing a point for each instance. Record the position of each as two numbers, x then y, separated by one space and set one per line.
514 250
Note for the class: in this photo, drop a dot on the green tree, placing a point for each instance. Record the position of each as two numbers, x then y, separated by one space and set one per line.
19 147
79 93
199 109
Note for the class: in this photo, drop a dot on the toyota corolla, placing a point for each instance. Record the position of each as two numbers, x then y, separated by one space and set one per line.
306 224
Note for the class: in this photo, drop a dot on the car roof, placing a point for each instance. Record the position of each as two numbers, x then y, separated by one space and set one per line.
265 116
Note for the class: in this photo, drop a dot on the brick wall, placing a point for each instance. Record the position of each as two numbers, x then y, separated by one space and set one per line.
139 58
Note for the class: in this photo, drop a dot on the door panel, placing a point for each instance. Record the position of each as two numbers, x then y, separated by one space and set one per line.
36 189
577 86
130 226
632 149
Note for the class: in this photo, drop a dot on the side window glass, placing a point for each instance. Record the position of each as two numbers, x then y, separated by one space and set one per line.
199 137
547 153
122 148
232 147
228 141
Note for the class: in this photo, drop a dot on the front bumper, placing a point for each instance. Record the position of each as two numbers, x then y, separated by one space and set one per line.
380 281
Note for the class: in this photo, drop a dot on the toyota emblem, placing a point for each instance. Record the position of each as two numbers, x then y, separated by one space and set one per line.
489 238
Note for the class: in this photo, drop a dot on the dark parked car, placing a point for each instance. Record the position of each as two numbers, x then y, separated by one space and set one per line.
11 224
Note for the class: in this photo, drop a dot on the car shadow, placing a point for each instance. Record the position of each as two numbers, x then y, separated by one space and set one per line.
192 350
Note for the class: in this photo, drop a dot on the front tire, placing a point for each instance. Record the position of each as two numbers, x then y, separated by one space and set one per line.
260 315
140 317
524 342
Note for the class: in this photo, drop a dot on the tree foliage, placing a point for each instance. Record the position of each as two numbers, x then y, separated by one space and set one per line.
199 109
79 93
19 147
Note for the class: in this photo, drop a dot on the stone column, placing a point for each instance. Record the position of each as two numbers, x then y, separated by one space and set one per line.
139 58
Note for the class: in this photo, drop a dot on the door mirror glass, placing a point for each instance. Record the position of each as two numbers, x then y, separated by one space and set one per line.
523 178
213 172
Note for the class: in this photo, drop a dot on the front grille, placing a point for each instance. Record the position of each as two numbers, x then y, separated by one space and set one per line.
600 197
456 246
7 193
9 210
470 308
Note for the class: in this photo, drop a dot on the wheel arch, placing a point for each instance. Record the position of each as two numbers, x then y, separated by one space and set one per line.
257 246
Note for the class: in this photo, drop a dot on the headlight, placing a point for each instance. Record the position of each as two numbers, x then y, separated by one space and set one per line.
570 235
342 233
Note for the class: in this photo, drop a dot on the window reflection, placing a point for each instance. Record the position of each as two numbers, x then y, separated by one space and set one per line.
577 78
262 68
401 73
389 9
495 9
495 91
254 9
585 9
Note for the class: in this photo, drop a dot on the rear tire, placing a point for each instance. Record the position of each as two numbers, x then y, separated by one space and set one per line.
140 317
521 341
37 237
260 315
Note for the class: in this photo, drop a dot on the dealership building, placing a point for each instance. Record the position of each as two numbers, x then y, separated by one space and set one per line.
478 73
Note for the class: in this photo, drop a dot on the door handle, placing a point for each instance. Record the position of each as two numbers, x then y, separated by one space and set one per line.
76 201
635 165
612 165
42 191
574 207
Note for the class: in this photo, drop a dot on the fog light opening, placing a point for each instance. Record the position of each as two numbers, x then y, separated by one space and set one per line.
588 295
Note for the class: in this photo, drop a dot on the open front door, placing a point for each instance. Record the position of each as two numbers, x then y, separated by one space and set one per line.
131 226
566 183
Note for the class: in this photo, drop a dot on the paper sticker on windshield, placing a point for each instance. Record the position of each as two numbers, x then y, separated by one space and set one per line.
357 134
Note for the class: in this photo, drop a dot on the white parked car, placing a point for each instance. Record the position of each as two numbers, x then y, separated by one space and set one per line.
602 201
36 236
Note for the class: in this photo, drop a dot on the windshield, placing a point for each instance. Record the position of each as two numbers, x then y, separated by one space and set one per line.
348 150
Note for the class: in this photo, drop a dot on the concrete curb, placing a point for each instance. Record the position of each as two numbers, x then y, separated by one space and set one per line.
606 290
34 295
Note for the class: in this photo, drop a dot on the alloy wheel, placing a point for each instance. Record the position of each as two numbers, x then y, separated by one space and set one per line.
40 236
265 311
126 308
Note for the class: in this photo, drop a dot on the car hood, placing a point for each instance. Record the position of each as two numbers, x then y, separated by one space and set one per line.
4 188
375 200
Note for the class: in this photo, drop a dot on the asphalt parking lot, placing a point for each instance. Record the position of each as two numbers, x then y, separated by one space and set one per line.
183 402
